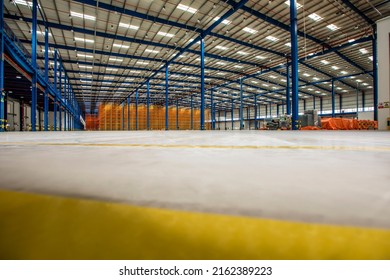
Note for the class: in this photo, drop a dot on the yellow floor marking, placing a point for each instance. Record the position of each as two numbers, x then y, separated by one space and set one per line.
46 227
183 146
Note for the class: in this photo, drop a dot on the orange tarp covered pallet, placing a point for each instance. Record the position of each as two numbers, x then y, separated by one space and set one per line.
347 124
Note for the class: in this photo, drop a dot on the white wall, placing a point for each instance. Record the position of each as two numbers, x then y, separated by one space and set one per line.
383 47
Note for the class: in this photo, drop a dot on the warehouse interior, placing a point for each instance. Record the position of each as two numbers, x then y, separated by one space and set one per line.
155 129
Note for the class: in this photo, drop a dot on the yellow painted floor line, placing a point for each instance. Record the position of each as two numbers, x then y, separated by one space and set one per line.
47 227
184 146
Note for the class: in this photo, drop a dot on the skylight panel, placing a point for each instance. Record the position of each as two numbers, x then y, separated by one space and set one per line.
120 46
129 26
85 66
83 40
315 17
187 8
112 69
332 27
249 30
84 55
83 16
115 59
142 62
151 51
272 38
161 33
225 21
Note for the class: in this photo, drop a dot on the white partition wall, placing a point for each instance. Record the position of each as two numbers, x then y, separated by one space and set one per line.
383 29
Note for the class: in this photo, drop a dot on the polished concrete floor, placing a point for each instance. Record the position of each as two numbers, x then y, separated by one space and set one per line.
332 177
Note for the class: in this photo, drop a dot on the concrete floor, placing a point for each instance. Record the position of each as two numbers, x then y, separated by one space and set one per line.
333 177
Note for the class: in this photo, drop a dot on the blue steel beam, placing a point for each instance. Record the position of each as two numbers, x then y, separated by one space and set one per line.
357 11
202 86
288 90
375 70
166 96
241 108
148 105
333 100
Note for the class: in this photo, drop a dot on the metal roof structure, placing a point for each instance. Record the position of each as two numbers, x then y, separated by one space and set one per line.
110 49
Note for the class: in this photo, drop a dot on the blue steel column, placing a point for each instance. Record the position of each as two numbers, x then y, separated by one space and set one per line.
177 114
192 112
288 101
333 101
136 110
304 104
363 100
65 110
128 113
225 118
270 109
256 112
314 102
212 111
277 108
202 104
232 114
46 97
2 94
321 106
219 119
357 100
375 73
60 94
294 62
241 108
148 105
340 103
34 66
166 98
55 113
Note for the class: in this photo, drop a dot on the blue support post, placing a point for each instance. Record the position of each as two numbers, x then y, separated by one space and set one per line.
148 105
256 126
241 108
340 103
294 62
232 120
177 114
55 113
270 109
2 93
65 110
166 98
34 77
136 110
333 101
212 111
192 112
202 88
248 117
266 111
277 108
304 104
375 73
288 101
46 94
357 100
128 113
363 100
321 106
225 119
314 102
219 119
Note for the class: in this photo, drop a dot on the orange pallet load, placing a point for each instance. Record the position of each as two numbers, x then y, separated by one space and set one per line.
347 124
92 122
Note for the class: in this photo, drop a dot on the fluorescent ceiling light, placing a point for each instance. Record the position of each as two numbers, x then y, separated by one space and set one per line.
221 63
42 33
359 81
335 67
129 26
85 66
254 82
165 34
220 73
315 17
84 40
315 79
107 83
298 5
115 59
288 44
111 69
272 77
86 81
364 84
185 68
306 74
351 40
133 71
84 55
260 57
221 48
142 62
363 51
283 80
187 8
265 85
225 21
325 62
371 58
272 38
151 51
249 30
242 53
79 15
85 76
344 72
120 46
238 66
332 27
